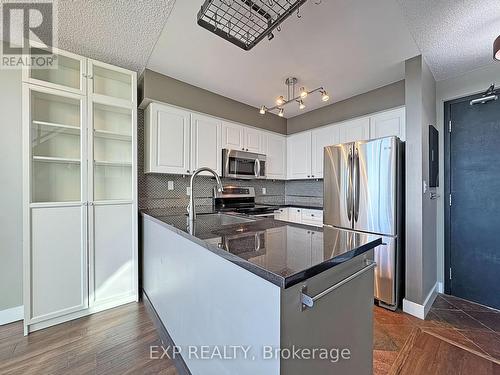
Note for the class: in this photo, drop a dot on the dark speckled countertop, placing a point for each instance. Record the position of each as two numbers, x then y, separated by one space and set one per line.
281 252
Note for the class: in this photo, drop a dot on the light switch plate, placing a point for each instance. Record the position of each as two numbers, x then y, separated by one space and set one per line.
264 191
188 190
170 185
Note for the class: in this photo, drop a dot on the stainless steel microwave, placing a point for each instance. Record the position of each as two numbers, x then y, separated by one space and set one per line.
244 165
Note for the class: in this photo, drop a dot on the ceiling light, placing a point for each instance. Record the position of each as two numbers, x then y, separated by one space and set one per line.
496 49
293 96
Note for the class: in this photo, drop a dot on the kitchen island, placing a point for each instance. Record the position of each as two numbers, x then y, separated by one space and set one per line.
260 291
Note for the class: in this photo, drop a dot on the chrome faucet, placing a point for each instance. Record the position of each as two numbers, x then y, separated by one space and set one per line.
191 207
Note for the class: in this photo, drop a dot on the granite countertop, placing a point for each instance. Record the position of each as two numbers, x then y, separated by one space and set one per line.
281 252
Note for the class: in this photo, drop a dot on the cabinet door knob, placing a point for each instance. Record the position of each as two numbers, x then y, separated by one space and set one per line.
308 176
312 215
312 176
187 171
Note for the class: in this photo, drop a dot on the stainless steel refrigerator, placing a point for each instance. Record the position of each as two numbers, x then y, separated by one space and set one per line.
363 191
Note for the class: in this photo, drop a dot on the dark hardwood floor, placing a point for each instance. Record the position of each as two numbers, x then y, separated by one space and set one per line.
116 341
457 337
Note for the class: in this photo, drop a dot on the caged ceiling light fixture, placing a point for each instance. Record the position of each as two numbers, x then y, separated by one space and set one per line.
281 102
246 22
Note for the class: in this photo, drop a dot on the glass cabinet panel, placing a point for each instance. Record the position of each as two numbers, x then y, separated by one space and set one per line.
112 152
55 136
112 83
67 73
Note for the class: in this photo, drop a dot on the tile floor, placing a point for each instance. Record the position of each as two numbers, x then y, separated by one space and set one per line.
455 334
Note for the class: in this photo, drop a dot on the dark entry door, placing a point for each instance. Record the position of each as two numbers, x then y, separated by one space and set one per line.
473 222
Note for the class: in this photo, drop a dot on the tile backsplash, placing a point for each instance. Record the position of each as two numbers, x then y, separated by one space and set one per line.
153 188
308 192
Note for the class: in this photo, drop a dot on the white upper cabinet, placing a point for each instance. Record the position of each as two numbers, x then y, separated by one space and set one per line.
253 141
237 137
69 75
206 141
354 130
388 124
299 156
321 138
233 136
111 84
276 156
167 132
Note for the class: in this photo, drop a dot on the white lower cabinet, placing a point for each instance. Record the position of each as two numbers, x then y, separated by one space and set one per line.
281 214
295 215
113 253
58 262
299 215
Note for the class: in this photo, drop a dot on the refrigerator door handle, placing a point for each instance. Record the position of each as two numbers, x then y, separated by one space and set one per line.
349 185
356 184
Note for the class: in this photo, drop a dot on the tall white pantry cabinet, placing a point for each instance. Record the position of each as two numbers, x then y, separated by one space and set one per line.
80 190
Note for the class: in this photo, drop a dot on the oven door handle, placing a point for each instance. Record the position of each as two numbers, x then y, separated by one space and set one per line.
257 168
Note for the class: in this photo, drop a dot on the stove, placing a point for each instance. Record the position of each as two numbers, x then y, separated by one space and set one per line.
241 200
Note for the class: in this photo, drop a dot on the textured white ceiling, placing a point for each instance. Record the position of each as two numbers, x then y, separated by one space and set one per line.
120 32
348 46
455 36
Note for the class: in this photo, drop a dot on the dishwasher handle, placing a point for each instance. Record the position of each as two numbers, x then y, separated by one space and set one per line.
308 301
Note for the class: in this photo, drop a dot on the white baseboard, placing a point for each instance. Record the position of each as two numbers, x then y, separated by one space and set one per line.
440 287
420 311
11 315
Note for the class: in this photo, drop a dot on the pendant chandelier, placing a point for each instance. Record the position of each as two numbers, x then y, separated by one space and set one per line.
281 102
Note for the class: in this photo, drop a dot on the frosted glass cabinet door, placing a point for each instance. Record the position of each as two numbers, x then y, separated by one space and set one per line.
111 81
58 275
67 72
112 152
113 244
55 126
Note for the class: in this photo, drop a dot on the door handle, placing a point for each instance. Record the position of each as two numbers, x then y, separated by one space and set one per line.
308 301
349 187
356 184
257 167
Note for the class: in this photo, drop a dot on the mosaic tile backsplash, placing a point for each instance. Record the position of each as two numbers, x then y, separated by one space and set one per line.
153 188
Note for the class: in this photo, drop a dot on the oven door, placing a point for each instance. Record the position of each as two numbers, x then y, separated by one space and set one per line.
244 165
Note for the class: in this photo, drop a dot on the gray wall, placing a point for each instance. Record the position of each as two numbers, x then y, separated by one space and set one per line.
421 254
467 84
11 253
385 97
158 87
